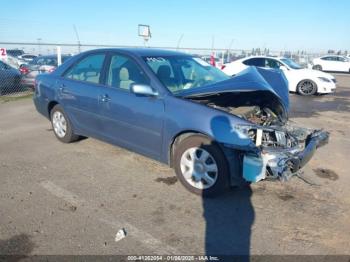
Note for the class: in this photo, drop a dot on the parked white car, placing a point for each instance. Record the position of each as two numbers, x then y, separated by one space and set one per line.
304 81
335 63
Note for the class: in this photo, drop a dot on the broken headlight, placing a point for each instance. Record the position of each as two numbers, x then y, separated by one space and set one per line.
266 137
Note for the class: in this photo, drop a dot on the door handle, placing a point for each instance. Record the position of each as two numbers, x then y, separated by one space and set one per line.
105 98
63 90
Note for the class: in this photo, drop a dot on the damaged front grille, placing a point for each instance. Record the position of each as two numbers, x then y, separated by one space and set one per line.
278 149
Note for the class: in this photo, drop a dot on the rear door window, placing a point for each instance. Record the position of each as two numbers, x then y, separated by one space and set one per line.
329 58
88 69
260 62
341 59
272 63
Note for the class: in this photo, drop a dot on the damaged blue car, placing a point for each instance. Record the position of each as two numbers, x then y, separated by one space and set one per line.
214 130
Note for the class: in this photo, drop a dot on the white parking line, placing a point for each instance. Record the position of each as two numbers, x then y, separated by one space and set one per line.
61 193
139 235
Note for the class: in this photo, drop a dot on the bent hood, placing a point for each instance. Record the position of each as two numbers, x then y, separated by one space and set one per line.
263 87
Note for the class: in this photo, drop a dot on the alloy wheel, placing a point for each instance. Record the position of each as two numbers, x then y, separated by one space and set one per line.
199 168
59 124
306 88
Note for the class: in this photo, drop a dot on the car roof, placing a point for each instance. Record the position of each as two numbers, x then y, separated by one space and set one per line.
333 56
257 56
264 56
143 51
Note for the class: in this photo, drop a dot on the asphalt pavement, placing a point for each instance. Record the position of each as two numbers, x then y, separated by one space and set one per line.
72 199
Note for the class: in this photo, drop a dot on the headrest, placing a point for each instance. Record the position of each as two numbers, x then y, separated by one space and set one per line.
164 71
124 74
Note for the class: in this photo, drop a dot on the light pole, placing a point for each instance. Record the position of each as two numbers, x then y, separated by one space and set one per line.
78 39
229 49
179 41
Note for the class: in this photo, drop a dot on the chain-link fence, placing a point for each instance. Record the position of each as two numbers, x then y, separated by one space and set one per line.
21 62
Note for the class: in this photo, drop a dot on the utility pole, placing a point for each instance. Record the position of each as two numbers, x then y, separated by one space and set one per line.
179 41
78 39
229 50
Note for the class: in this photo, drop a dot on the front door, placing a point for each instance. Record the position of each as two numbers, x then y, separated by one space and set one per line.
130 120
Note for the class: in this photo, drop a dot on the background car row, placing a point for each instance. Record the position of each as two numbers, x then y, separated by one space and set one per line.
20 69
333 63
18 72
302 80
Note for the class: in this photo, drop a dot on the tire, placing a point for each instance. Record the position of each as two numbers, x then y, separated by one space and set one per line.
193 167
61 125
307 87
317 67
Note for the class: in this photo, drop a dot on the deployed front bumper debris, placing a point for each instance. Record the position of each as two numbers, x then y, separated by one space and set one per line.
282 163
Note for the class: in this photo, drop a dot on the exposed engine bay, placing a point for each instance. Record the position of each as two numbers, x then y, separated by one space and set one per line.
272 133
269 145
283 148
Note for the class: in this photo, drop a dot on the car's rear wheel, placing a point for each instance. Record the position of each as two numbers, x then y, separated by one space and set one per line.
201 166
317 67
307 87
61 125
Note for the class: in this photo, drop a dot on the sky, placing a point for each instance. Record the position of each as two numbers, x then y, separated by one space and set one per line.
311 25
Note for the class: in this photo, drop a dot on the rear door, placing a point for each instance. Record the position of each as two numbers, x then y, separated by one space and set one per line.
130 120
79 93
330 63
343 64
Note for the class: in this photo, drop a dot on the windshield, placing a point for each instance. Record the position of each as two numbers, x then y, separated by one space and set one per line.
291 63
184 72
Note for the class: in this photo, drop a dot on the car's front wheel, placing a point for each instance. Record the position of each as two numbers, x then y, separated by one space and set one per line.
61 125
307 88
317 67
201 166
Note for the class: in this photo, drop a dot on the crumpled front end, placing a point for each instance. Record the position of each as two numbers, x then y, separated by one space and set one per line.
282 151
266 143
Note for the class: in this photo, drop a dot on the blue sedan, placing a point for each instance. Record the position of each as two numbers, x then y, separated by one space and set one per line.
214 130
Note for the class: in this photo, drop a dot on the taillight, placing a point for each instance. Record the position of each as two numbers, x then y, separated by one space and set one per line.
24 70
222 67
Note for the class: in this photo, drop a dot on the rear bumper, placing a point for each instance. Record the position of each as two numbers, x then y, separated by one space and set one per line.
29 82
41 105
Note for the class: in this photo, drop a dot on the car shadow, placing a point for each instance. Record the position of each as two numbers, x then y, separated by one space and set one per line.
229 217
16 248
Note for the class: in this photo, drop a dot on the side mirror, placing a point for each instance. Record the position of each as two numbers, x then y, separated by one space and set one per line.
144 90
